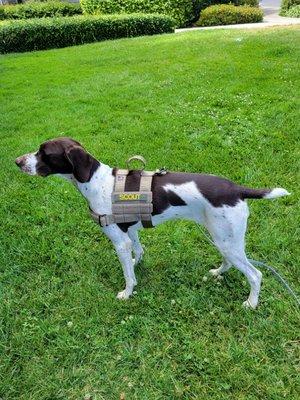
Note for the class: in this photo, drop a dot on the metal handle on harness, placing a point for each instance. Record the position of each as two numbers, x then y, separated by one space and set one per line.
138 158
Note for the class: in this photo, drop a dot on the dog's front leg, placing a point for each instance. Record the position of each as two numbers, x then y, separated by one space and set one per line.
123 246
136 245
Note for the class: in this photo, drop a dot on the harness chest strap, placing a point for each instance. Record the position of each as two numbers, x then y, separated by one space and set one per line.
129 206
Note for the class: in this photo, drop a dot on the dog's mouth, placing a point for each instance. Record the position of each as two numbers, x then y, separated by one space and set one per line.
27 171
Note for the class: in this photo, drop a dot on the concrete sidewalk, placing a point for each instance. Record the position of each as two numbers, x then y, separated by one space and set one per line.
271 9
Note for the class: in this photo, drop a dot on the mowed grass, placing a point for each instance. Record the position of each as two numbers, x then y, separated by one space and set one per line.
222 102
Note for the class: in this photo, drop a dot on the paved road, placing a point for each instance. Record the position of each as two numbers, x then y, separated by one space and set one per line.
271 9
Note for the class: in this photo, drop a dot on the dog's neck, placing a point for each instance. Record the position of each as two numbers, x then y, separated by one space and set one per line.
97 190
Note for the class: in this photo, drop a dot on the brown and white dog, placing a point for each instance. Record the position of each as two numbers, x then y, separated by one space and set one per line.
217 203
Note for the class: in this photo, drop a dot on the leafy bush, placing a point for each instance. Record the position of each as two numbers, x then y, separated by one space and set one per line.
227 14
287 4
47 33
206 3
183 11
293 12
39 10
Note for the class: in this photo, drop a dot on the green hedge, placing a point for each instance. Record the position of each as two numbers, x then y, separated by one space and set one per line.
39 10
47 33
181 10
227 14
202 4
185 12
287 4
293 12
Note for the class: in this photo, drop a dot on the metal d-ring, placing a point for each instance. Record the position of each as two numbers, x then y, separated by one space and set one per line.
138 158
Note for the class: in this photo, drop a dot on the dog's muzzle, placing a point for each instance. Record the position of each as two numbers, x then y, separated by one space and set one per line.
27 163
20 161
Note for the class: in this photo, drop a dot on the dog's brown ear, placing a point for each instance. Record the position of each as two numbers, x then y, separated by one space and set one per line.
82 163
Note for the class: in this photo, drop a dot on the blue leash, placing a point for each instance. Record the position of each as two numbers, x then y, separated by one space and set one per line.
278 276
271 269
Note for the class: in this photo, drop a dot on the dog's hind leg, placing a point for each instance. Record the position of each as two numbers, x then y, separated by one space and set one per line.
253 275
136 245
123 246
227 225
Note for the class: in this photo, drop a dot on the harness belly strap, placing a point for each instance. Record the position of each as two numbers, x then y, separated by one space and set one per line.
129 206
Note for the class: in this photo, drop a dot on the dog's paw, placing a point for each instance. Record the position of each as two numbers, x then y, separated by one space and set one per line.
123 295
248 304
216 273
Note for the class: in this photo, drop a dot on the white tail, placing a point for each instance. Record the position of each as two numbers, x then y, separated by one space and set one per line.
277 192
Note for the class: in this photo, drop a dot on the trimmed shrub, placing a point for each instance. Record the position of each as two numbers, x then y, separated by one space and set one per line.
287 4
226 14
185 12
293 12
182 11
206 3
39 10
48 33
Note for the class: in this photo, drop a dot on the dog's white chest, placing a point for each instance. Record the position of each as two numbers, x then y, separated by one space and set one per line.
99 189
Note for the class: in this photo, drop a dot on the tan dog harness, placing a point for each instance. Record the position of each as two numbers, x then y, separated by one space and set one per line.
130 206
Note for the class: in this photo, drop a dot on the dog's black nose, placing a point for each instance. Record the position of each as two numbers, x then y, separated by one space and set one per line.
20 161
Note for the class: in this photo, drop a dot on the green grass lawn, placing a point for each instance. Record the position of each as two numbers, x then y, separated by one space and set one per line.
222 102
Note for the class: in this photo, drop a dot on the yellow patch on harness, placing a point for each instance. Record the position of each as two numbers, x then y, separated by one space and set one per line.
126 196
132 196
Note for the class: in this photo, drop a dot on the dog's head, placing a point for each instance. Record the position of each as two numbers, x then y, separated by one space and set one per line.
62 156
